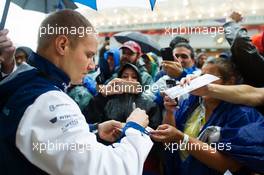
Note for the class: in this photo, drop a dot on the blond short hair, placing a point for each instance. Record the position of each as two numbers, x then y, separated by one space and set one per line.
64 22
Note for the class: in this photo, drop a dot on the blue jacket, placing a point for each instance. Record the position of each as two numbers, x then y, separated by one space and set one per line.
104 66
242 127
17 93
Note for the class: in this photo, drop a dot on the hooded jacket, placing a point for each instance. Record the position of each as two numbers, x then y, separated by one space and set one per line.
118 107
104 66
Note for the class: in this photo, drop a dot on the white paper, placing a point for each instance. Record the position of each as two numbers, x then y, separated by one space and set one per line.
194 84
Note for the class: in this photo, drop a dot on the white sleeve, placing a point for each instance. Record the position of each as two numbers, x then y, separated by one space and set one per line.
54 136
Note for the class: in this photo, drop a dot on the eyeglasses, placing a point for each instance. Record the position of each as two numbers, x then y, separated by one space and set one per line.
183 56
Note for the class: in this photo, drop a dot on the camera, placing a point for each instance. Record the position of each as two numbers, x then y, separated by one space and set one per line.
166 54
170 83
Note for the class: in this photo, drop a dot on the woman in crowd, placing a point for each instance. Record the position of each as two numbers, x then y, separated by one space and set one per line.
214 136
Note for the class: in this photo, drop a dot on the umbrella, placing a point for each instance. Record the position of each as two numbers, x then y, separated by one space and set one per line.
146 43
114 3
45 6
4 15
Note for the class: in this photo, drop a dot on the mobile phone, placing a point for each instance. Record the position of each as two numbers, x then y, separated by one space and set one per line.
166 54
170 83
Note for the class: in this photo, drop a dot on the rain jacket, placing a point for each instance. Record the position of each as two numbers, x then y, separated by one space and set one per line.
104 67
246 57
82 94
118 107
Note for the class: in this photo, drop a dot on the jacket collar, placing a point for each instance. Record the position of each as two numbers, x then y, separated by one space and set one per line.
49 71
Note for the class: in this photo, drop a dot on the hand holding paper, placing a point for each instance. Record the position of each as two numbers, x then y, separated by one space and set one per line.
194 84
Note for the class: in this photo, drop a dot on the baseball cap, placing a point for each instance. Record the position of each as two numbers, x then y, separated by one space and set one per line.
132 45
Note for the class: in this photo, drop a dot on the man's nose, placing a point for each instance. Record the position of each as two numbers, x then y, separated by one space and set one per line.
91 66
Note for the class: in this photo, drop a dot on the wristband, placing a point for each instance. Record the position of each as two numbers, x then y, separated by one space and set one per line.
94 128
135 126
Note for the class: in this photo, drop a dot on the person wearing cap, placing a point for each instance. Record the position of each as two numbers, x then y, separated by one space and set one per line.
131 53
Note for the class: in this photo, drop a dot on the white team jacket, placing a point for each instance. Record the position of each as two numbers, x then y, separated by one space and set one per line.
54 136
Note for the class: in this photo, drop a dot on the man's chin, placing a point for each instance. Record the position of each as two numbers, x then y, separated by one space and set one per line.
77 82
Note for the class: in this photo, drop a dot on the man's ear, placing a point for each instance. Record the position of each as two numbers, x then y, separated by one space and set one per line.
61 44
